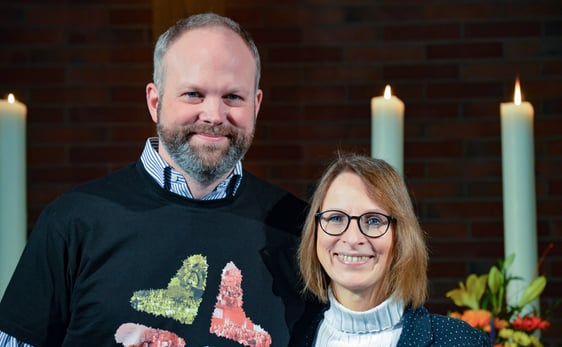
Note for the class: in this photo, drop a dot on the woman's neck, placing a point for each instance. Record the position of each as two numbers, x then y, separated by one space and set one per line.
357 301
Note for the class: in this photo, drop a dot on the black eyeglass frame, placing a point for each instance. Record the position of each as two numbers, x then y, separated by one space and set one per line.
390 219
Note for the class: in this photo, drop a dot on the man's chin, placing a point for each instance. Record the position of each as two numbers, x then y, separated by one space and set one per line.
211 160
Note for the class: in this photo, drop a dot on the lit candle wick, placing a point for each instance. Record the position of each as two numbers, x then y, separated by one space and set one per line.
517 94
387 92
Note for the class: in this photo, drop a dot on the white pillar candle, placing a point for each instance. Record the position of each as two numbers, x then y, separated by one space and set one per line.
387 129
13 207
519 205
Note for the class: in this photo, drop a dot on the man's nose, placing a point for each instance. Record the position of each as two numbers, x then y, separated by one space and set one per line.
213 112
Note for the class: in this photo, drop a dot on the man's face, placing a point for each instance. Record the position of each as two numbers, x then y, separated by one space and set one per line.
206 112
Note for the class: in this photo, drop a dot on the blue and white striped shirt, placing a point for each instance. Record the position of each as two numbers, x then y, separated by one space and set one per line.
8 341
167 178
172 180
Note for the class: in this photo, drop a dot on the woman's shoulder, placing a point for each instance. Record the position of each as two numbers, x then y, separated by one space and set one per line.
439 330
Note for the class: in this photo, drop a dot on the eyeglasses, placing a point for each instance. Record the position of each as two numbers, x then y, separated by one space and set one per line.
371 224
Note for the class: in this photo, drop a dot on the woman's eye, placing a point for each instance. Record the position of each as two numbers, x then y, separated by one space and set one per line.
335 219
374 220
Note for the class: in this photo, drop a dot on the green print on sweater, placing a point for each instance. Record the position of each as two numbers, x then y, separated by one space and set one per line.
183 296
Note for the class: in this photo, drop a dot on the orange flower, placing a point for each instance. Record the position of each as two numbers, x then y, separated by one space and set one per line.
501 324
477 318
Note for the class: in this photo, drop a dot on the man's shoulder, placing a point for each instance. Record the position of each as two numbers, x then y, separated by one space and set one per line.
280 208
114 186
265 189
119 177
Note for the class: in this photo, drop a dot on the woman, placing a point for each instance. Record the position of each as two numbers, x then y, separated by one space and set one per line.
363 256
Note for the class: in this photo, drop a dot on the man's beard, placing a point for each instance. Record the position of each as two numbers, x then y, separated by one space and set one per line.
209 162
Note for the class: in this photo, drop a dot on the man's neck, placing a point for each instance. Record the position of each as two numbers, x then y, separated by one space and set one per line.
199 190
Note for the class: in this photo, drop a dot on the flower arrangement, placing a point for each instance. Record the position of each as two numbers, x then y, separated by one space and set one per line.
484 298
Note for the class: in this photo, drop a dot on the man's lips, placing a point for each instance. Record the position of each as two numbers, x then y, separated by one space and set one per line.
209 137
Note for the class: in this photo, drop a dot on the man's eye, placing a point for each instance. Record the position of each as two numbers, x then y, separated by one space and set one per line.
192 95
233 97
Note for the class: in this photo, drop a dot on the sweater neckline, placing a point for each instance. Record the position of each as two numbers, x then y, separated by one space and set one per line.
385 316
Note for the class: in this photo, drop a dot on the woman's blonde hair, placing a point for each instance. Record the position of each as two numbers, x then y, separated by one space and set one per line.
407 275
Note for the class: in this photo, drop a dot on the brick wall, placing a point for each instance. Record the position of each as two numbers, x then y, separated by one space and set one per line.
81 67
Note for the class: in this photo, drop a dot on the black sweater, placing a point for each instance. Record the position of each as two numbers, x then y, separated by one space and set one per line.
122 250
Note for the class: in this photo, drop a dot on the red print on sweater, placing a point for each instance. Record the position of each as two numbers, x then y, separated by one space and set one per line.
229 319
138 335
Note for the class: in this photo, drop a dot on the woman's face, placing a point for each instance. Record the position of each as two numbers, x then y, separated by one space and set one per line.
355 263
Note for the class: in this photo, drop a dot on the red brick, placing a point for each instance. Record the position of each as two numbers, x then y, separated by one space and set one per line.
64 135
16 76
102 153
481 109
464 168
460 250
95 76
486 229
433 149
432 190
454 130
108 115
32 36
339 34
426 32
336 113
446 269
71 96
428 110
522 48
72 176
341 74
65 17
448 11
552 68
305 54
502 29
465 50
464 90
499 70
377 52
421 72
130 16
447 230
273 152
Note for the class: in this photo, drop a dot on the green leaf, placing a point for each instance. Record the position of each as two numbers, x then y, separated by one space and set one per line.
532 291
495 279
508 261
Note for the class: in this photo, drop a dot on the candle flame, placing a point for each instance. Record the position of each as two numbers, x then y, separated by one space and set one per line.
517 94
387 92
11 98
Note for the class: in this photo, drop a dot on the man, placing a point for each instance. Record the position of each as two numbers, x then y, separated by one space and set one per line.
182 248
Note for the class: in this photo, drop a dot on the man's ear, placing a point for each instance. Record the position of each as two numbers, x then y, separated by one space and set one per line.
259 97
152 101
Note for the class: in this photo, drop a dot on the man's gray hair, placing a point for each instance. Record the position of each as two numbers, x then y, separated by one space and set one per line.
193 22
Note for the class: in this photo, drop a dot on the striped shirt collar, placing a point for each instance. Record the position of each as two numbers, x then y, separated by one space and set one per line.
173 181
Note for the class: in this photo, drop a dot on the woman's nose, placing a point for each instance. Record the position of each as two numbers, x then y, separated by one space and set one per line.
353 234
